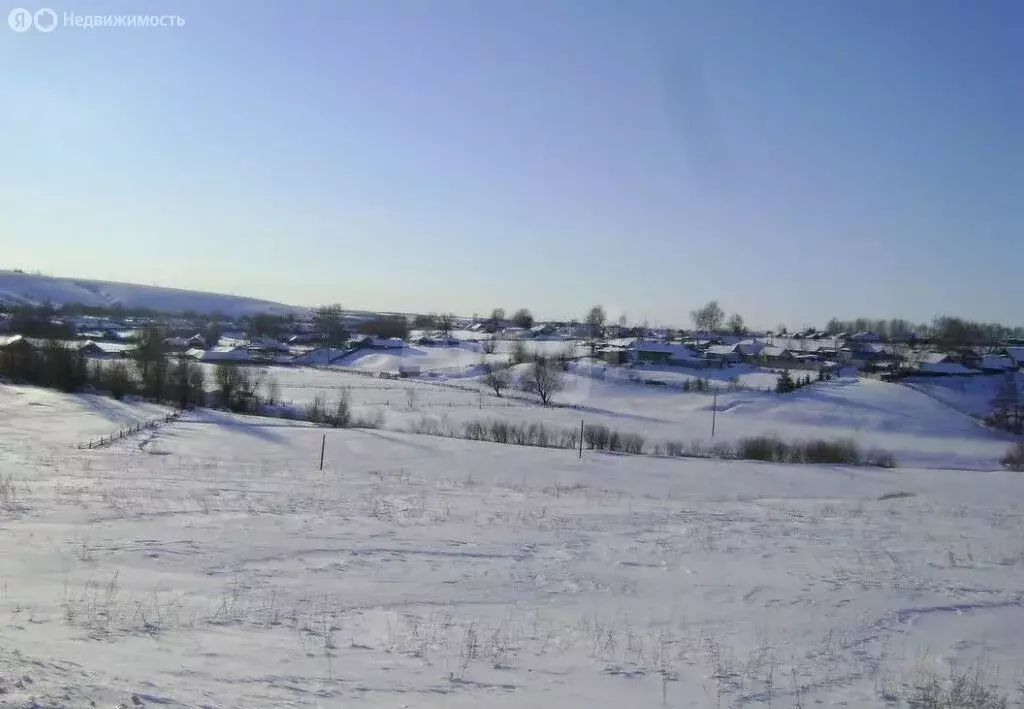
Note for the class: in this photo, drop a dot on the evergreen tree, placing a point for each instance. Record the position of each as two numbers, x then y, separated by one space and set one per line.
785 383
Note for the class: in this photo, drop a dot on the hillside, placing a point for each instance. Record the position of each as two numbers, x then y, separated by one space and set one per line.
28 289
211 562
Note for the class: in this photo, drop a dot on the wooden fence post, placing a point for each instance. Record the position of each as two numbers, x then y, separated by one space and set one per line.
323 447
581 439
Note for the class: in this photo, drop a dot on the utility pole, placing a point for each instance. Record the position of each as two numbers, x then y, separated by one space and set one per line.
714 414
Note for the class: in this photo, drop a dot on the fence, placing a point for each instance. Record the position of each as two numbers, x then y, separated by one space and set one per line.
127 431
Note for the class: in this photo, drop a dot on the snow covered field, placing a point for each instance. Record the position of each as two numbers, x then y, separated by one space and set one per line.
918 429
973 395
211 563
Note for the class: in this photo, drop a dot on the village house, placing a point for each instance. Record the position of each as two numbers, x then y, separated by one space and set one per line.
722 354
936 364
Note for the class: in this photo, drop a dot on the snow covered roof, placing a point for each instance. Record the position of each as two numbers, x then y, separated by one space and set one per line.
220 354
681 352
945 368
773 351
750 347
721 350
933 358
389 343
865 336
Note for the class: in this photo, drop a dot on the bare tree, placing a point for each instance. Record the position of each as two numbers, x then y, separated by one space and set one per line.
596 317
497 319
543 378
523 318
327 327
496 377
446 323
708 318
185 384
425 322
489 346
736 324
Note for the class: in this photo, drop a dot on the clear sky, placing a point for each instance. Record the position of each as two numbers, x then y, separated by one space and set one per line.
794 159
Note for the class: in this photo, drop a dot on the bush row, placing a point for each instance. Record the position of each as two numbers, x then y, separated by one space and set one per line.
599 437
771 449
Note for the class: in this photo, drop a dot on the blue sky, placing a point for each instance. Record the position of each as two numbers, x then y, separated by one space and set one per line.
794 159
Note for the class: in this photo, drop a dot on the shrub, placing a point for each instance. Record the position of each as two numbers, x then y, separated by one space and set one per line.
342 416
315 410
519 353
880 458
596 436
838 452
614 441
701 385
1014 458
499 431
114 378
539 435
489 346
425 425
519 434
475 431
970 688
674 448
632 443
721 449
237 388
765 448
372 421
569 439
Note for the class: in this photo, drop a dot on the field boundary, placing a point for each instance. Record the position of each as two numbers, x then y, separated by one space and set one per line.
131 429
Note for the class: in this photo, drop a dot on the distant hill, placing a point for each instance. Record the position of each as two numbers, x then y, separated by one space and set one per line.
27 289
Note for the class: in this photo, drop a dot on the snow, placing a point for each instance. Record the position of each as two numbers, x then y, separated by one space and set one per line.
945 368
28 289
918 428
997 363
971 395
209 562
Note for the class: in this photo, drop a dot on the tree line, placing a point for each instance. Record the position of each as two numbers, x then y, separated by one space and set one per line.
148 373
